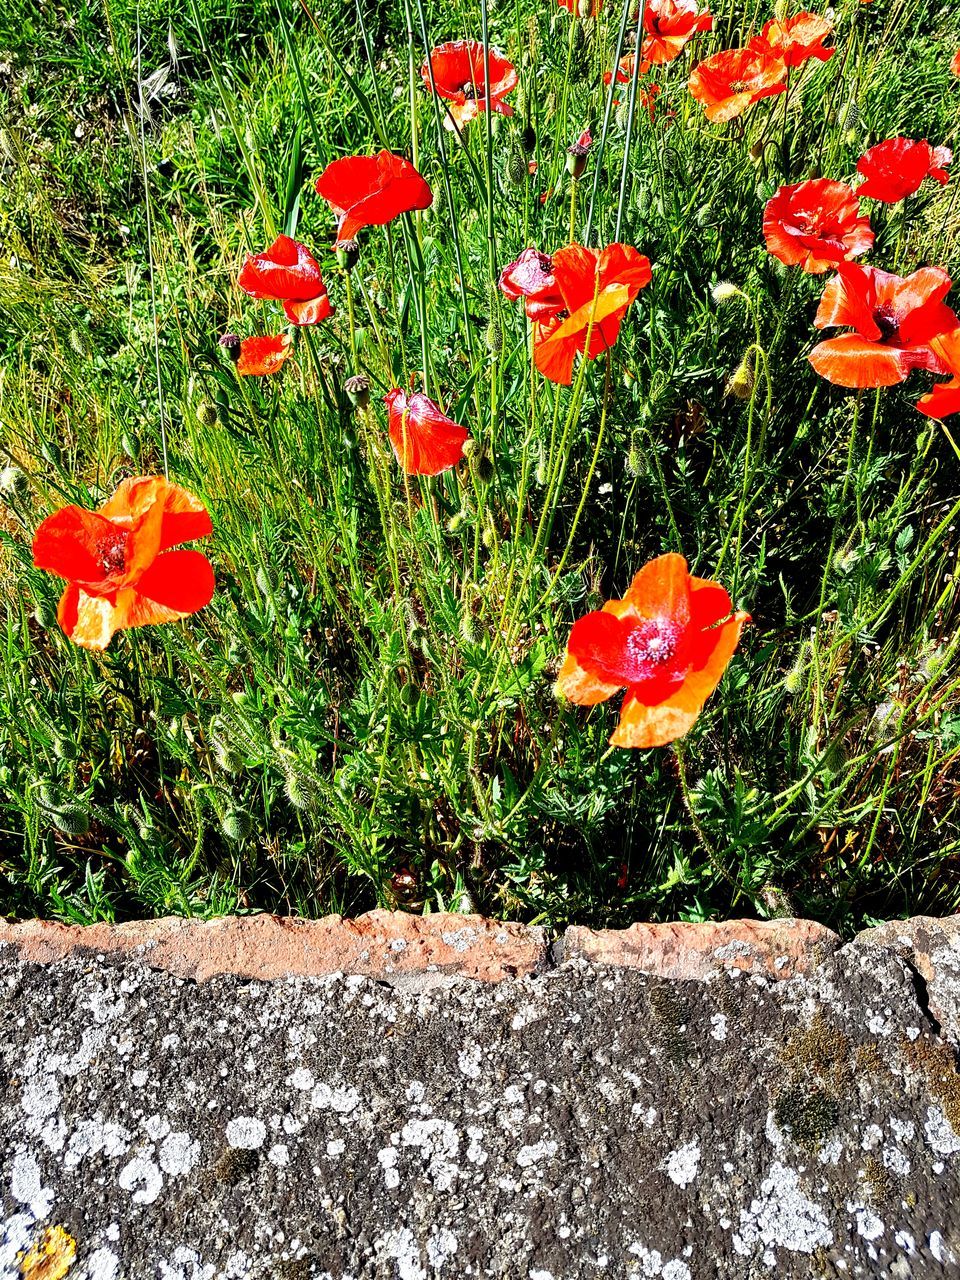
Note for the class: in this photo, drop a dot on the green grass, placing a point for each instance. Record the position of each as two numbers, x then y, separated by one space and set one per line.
365 713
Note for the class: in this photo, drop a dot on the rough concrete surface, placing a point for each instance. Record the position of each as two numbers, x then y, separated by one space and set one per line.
573 1118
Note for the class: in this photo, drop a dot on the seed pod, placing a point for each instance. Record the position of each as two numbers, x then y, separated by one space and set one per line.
358 390
472 448
236 824
515 169
348 252
528 139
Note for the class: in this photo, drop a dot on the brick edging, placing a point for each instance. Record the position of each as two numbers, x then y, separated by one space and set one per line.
392 946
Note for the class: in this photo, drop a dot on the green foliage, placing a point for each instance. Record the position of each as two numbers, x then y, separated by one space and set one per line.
365 713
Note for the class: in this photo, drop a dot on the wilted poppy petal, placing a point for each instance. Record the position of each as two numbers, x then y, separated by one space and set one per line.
260 357
94 618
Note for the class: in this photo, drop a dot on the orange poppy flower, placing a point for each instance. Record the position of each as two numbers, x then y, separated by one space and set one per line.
893 318
944 398
667 642
258 356
370 191
815 225
287 272
116 561
955 64
424 439
896 168
731 81
669 24
625 68
796 40
531 277
460 77
597 286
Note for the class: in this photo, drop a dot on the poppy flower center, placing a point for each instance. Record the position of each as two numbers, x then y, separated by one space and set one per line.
650 646
469 91
886 322
111 552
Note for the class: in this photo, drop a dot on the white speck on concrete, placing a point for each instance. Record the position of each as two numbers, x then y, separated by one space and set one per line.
40 1098
905 1241
460 939
90 1137
868 1224
441 1246
940 1134
339 1098
179 1153
103 1264
469 1060
895 1161
302 1078
25 1185
401 1246
387 1159
142 1179
535 1152
439 1142
246 1133
733 950
781 1216
540 1275
718 1026
336 1147
681 1166
940 1249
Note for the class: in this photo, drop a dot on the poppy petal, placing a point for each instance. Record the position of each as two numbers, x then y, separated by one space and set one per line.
661 589
179 582
94 619
312 311
645 726
852 361
65 543
583 687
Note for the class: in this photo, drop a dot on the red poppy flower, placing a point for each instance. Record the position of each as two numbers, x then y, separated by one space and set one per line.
955 64
287 272
944 398
669 24
597 286
731 81
896 168
261 356
796 40
893 319
369 191
424 439
662 643
815 225
116 561
460 77
531 277
625 68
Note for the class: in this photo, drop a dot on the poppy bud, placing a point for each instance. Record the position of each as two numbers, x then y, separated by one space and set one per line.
349 440
348 252
409 695
231 344
236 824
471 447
300 788
456 522
776 902
73 820
13 482
584 8
130 445
725 292
634 459
494 336
51 453
757 150
577 154
516 169
207 414
64 748
45 615
482 468
742 381
358 390
528 139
